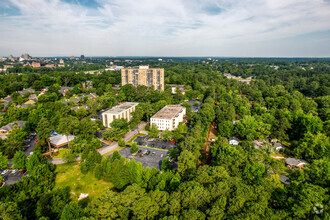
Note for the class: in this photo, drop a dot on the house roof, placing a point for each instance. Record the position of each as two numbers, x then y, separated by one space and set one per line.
24 91
78 107
233 139
33 96
284 179
295 162
11 125
60 139
30 102
7 99
92 95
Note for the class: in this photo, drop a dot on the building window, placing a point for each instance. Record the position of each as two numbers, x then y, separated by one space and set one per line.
106 119
126 76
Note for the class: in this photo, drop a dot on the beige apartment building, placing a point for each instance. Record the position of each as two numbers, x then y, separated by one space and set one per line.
120 111
143 75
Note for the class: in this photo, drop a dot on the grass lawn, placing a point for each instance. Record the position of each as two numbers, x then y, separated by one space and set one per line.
61 152
70 175
111 152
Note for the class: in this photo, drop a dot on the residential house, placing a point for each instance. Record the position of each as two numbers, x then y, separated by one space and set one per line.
64 89
9 127
233 141
28 90
293 163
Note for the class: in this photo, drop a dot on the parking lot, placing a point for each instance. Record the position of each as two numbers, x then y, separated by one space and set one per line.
155 143
152 159
12 176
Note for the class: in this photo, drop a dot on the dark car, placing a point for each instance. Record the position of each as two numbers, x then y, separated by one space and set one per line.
139 151
152 145
127 145
148 152
163 147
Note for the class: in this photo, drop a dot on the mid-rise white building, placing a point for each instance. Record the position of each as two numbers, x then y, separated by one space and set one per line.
120 111
169 117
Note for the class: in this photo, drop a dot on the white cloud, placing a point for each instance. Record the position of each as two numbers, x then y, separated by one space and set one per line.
171 27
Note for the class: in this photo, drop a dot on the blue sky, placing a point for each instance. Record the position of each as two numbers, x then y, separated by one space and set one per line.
257 28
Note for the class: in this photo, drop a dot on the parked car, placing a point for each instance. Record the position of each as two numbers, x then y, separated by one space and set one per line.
162 155
141 155
152 145
127 145
139 151
148 152
153 154
163 147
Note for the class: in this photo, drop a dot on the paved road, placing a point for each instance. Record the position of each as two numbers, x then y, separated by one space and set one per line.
109 148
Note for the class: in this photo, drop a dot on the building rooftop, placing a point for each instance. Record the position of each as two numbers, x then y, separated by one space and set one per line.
120 108
60 139
295 162
168 112
10 126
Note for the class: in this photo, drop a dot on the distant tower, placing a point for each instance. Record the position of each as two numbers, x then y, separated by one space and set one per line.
10 57
72 58
25 56
61 61
82 57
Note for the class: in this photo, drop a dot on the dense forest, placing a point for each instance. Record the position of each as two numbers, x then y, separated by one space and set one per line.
286 100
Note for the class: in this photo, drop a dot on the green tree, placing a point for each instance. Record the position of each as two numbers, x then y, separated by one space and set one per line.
145 208
134 148
32 163
166 135
153 131
43 130
121 143
19 160
165 165
9 211
3 161
72 211
187 163
69 157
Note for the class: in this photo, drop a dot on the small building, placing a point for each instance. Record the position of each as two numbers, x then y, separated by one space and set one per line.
118 112
174 87
169 117
285 179
64 89
33 97
9 127
279 147
60 140
92 96
28 90
75 108
293 163
233 141
30 102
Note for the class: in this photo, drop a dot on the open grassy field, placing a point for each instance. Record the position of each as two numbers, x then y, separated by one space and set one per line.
70 175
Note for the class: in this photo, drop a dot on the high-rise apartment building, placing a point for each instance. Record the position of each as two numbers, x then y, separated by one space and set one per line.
143 75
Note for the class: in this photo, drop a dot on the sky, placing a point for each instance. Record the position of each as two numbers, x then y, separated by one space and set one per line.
218 28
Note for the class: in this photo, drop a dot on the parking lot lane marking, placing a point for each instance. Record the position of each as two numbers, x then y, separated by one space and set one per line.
152 148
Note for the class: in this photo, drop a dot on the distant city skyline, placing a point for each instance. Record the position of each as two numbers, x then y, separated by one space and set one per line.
171 28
